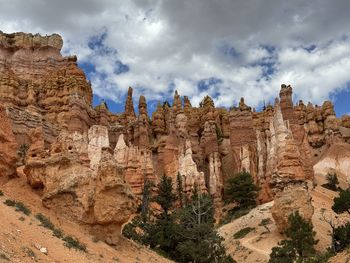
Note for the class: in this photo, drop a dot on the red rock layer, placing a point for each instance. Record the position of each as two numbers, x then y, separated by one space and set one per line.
40 88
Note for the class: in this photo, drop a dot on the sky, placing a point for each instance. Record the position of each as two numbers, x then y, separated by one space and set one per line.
227 49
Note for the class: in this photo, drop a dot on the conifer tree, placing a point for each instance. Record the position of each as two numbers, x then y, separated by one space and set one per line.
200 241
179 190
342 203
300 243
242 190
146 198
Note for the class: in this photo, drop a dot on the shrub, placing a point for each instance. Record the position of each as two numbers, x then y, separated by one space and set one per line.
320 257
265 222
30 253
243 232
234 214
58 233
10 202
342 203
332 182
1 193
342 237
19 206
45 222
72 242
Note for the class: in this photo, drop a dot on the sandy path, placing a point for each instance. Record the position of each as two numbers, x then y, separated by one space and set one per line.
246 242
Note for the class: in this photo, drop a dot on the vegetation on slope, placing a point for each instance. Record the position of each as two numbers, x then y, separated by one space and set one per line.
184 230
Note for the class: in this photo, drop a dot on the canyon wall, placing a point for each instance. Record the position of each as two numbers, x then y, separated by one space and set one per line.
41 89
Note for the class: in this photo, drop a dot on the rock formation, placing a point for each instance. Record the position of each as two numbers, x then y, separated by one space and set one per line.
8 146
98 139
293 198
43 91
135 164
97 198
188 170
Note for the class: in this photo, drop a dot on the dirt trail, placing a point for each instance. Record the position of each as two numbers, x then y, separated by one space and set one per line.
246 242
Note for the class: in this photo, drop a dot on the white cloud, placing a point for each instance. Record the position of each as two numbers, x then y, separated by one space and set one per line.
166 43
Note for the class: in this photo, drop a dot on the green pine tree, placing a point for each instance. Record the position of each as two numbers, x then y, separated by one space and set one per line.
342 237
200 241
161 234
242 190
342 203
332 182
146 198
165 196
300 243
179 190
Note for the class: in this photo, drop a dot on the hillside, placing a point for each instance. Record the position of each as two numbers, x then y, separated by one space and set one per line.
22 235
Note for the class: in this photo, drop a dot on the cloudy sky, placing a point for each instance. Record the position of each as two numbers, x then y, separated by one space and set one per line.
225 48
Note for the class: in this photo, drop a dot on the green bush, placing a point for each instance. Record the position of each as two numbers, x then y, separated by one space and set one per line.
58 233
45 222
265 222
342 237
342 203
243 232
69 241
234 214
320 257
72 242
1 193
19 206
10 202
332 182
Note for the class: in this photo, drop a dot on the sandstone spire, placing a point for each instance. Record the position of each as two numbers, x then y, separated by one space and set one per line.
187 103
143 108
177 103
286 103
129 105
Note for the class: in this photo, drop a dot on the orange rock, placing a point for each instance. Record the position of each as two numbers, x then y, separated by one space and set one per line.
8 146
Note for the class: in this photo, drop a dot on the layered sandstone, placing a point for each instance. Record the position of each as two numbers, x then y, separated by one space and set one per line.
8 146
41 88
45 91
78 192
293 198
135 164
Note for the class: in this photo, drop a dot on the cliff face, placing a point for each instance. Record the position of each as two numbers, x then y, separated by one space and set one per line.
40 88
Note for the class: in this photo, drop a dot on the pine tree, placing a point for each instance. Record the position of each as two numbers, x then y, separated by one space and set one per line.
165 196
179 190
342 237
200 241
332 182
241 189
161 234
342 203
146 198
300 243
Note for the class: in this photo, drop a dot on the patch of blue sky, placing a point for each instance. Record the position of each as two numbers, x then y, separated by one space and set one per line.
121 68
341 101
204 84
